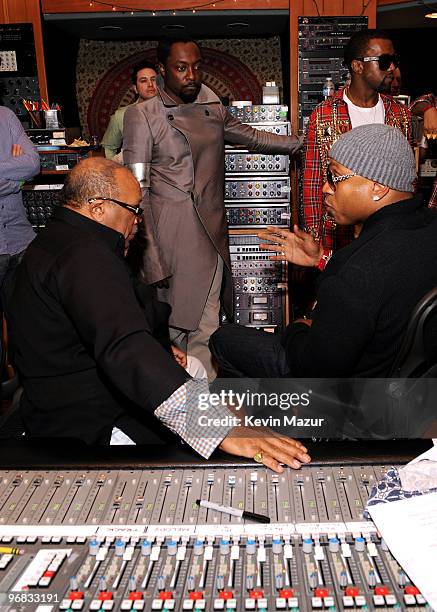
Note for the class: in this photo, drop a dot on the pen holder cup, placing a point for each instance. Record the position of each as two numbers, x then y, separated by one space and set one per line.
37 119
52 119
46 119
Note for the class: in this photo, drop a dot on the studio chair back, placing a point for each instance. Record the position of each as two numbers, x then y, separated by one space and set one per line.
417 357
412 385
11 423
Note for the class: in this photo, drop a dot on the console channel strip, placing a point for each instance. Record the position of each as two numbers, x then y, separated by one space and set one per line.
137 540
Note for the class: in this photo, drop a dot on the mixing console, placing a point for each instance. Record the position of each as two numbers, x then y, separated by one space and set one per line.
136 540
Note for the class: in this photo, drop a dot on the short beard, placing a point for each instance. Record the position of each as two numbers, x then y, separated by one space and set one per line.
385 86
187 98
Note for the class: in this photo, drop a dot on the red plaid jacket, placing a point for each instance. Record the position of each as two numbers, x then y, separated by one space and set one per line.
327 122
431 99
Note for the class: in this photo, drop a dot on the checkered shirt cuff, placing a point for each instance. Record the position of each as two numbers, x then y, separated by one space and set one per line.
184 413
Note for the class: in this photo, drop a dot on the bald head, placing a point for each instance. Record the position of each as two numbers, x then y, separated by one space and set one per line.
105 192
93 177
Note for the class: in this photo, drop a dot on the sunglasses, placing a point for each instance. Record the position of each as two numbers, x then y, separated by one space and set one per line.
333 179
384 61
137 210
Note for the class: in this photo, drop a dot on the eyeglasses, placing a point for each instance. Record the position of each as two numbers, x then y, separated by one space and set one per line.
333 179
137 210
385 60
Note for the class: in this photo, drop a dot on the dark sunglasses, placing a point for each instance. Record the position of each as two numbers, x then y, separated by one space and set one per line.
384 61
137 210
333 179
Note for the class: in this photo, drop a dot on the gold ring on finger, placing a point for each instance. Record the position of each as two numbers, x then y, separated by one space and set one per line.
258 457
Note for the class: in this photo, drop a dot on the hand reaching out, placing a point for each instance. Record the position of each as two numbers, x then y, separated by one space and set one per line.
297 247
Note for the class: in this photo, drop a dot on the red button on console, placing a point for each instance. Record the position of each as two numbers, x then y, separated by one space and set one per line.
382 590
135 595
286 593
105 596
411 590
351 591
256 594
76 595
321 593
196 595
225 595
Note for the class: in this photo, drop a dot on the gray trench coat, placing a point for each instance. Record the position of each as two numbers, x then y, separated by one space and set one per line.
177 153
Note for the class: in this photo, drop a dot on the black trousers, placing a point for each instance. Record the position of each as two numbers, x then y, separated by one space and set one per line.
247 352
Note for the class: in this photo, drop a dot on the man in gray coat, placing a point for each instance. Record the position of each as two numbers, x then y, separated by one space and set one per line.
174 144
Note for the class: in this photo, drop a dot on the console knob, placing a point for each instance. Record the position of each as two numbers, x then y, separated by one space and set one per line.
146 548
277 546
360 544
334 545
307 545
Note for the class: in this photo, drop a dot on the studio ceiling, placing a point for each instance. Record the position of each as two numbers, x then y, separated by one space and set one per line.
221 24
140 26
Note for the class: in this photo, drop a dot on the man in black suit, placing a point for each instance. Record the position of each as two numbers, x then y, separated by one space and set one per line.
84 344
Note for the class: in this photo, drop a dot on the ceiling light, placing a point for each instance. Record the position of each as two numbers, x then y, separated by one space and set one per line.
110 27
431 15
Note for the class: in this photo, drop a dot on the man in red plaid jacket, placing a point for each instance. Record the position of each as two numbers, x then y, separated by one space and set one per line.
426 107
371 60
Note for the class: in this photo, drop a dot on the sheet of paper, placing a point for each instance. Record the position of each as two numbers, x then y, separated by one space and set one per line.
409 527
430 454
421 473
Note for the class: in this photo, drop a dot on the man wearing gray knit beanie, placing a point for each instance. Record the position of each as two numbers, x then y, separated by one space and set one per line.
369 288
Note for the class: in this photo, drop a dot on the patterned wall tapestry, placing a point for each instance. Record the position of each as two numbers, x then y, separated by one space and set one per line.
233 68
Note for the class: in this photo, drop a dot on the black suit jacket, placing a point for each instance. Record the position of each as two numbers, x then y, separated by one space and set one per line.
81 341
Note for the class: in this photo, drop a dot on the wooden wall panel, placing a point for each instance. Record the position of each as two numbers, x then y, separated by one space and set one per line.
83 6
28 11
326 7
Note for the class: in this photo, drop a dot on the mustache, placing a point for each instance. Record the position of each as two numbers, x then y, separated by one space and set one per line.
189 94
385 85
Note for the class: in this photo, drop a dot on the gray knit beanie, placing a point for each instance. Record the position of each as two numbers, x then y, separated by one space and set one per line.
378 152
